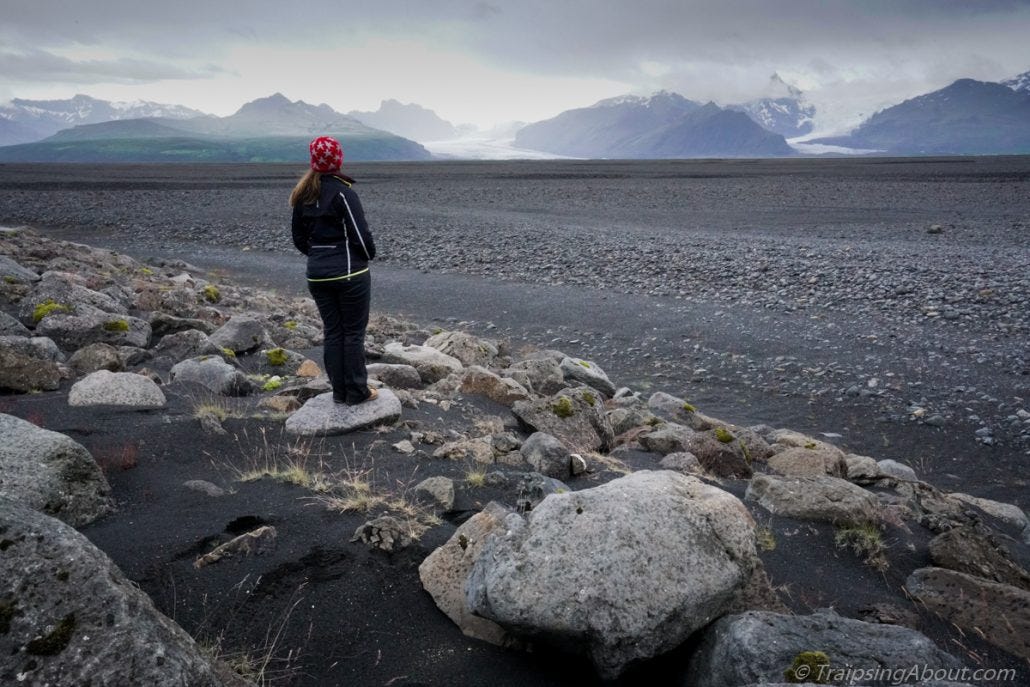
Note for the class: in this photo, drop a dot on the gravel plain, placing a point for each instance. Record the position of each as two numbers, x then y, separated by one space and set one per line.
883 300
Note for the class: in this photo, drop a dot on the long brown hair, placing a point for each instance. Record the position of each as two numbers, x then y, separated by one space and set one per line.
307 189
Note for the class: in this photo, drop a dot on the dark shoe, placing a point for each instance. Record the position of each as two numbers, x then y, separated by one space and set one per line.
340 399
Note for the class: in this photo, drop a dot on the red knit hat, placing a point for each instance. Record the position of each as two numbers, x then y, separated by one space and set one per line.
326 154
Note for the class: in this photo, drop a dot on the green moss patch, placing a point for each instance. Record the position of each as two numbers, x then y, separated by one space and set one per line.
54 642
290 324
689 407
563 407
272 384
809 666
116 326
48 307
723 435
589 397
211 293
276 357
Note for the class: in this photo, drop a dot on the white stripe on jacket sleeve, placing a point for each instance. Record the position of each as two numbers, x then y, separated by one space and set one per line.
357 229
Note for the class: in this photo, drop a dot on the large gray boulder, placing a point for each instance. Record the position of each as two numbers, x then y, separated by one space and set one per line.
104 387
13 271
33 346
757 647
86 324
1000 613
668 438
71 618
240 334
480 381
625 571
51 472
188 343
213 373
321 416
827 499
444 572
798 461
395 375
588 373
543 375
61 289
11 326
23 373
470 350
96 356
547 455
576 416
432 365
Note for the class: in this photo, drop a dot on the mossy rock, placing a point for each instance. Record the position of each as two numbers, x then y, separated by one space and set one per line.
563 407
724 435
211 293
116 326
276 357
48 307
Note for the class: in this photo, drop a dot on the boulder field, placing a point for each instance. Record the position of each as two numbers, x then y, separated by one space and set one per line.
554 511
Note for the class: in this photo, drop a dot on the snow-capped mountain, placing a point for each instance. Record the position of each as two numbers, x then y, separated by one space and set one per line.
1019 83
24 121
664 125
966 118
785 111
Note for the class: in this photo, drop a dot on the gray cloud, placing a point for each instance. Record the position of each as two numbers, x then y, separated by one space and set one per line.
39 65
719 50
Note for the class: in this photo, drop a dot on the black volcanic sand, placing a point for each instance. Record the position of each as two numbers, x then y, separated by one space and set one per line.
356 617
797 293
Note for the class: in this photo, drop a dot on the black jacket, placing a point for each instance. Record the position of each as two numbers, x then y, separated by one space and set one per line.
332 232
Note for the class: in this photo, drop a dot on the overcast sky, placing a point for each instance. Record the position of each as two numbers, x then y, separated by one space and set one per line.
490 61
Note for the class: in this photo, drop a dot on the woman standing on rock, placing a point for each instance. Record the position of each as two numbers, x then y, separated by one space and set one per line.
329 227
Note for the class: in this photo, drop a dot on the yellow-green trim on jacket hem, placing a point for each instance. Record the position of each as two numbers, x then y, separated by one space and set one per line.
346 276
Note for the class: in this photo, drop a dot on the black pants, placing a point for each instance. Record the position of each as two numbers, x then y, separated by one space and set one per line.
343 305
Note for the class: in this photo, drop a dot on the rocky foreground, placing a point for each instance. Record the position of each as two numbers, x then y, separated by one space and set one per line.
574 516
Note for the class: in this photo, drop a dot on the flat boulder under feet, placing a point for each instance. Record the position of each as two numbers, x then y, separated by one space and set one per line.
624 571
51 472
70 617
759 647
320 416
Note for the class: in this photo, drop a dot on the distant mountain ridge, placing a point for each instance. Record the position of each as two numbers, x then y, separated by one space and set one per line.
24 121
272 129
787 113
966 118
1020 83
665 125
410 121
